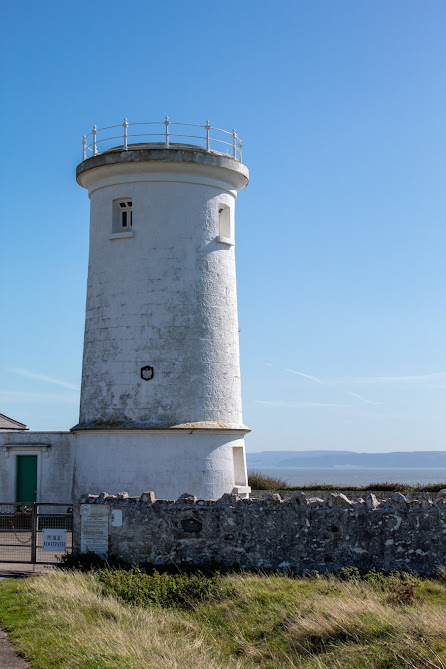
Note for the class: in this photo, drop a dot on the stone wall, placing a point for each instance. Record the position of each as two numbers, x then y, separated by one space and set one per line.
299 533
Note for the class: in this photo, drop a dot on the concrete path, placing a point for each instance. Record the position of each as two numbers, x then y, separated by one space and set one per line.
8 657
21 570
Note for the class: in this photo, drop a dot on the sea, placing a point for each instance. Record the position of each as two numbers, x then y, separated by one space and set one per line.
353 476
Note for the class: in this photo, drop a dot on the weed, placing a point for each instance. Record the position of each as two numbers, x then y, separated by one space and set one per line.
259 481
404 594
164 589
349 574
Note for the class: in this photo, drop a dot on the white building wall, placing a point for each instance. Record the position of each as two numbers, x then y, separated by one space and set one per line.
168 462
55 464
165 297
93 461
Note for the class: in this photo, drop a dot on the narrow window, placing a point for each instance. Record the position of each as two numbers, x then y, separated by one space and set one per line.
225 220
122 216
126 214
225 225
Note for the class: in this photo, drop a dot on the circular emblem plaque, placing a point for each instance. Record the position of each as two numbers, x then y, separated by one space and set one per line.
147 373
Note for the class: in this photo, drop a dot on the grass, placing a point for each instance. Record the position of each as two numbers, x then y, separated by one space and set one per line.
75 620
64 621
259 481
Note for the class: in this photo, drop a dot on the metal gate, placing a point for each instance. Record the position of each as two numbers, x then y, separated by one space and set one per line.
36 533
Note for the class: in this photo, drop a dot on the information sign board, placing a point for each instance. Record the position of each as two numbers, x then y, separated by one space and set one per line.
54 540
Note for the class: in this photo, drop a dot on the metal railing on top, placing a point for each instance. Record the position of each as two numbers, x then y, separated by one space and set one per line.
230 142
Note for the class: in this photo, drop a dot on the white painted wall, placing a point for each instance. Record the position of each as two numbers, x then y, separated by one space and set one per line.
55 462
168 462
165 297
93 461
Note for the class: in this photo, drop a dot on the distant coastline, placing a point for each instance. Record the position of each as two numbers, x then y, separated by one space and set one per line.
350 468
347 460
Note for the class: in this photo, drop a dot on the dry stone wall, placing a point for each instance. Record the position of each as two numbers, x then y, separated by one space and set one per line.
299 533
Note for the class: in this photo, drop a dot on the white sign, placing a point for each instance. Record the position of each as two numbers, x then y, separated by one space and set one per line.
54 540
94 528
116 518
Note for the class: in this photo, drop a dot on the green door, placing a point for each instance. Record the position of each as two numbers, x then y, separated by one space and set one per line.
26 478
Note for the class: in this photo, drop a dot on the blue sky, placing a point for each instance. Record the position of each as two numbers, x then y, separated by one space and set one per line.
341 239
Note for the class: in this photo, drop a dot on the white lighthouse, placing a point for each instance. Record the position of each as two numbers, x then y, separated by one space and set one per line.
161 399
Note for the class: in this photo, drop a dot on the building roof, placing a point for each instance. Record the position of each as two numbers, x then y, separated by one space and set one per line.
10 424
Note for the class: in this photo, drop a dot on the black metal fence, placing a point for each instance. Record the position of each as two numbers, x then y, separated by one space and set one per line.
36 533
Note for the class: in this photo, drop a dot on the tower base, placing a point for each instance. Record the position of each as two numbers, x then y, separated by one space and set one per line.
206 463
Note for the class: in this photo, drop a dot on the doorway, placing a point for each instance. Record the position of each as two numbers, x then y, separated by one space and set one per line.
26 479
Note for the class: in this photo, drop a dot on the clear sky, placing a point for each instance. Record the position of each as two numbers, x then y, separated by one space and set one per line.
341 238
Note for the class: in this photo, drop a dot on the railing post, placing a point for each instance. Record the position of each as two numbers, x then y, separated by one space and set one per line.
126 125
94 133
234 146
240 150
34 513
166 123
208 127
84 147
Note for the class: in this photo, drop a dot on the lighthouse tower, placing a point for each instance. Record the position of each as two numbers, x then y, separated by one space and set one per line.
161 401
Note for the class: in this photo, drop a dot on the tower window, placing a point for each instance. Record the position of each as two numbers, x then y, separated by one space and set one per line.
225 225
126 213
122 223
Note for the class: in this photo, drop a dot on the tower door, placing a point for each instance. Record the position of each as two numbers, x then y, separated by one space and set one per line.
26 489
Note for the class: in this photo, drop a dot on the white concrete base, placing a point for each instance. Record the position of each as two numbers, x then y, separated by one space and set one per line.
205 463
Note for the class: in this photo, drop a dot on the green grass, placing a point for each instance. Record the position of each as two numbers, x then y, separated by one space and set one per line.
131 620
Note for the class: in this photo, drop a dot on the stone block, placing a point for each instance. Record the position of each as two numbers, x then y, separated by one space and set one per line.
316 502
301 498
272 500
425 501
372 502
186 498
398 501
148 496
339 500
228 500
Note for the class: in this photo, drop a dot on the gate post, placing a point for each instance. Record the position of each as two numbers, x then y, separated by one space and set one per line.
34 533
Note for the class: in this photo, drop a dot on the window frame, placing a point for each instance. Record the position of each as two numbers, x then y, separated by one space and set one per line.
120 206
125 207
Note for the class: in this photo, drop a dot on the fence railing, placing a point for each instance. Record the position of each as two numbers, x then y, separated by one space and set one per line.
35 533
212 139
